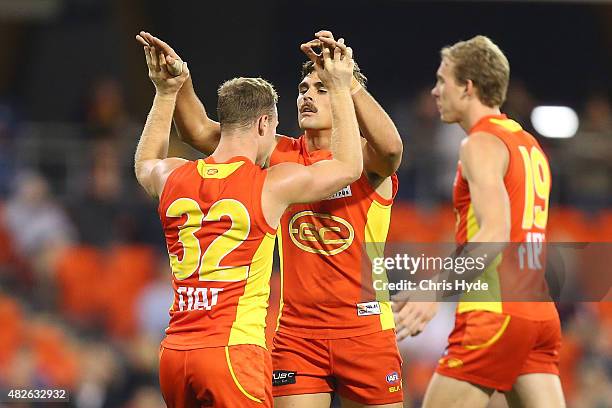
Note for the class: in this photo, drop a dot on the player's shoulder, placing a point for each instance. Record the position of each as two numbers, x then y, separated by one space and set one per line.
166 172
482 141
483 147
288 143
169 167
287 149
285 171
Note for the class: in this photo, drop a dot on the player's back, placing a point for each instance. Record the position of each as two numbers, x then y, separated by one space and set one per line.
220 249
517 276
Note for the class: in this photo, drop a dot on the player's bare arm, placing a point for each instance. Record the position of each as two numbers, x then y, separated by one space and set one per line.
293 183
193 124
382 148
151 164
484 160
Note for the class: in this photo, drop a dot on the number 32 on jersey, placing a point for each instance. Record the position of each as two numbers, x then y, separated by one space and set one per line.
208 264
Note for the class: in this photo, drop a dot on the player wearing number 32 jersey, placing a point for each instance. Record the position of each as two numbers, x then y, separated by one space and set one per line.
219 217
508 337
333 334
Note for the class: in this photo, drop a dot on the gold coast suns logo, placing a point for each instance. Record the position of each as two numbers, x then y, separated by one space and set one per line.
323 234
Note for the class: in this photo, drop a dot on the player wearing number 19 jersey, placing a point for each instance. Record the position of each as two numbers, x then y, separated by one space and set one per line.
219 217
507 338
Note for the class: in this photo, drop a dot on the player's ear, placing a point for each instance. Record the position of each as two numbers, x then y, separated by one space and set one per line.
262 125
469 88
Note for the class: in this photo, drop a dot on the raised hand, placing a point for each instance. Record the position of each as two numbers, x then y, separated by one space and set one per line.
158 64
175 63
334 65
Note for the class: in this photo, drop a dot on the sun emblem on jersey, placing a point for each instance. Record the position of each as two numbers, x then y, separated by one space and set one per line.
323 234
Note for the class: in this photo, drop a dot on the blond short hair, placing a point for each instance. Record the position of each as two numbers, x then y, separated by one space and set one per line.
243 100
480 60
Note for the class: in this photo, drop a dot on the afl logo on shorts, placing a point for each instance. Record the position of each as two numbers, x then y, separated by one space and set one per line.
393 377
322 234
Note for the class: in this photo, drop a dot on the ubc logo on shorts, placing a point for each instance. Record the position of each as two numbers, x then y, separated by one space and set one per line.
283 377
368 309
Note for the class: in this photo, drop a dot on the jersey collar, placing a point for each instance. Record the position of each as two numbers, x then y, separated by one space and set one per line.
485 118
211 160
315 155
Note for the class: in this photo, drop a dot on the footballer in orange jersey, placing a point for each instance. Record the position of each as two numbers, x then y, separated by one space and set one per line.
330 336
219 217
500 195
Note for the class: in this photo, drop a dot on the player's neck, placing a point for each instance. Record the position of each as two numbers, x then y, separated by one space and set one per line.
236 144
475 113
318 139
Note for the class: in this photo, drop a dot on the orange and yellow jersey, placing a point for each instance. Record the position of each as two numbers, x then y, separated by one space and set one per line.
516 277
325 270
221 252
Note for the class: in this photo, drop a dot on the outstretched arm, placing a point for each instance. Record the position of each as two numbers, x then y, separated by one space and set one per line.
151 164
382 152
193 124
289 183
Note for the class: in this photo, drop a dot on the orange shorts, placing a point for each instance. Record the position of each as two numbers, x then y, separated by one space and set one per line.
235 376
365 369
492 349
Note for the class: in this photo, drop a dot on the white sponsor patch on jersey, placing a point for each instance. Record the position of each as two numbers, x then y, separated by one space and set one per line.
368 309
345 192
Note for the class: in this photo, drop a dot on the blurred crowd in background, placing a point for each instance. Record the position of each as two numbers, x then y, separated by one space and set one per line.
85 284
84 275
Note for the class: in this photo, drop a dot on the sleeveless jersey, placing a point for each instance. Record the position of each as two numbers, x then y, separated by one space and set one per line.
220 249
326 274
516 277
